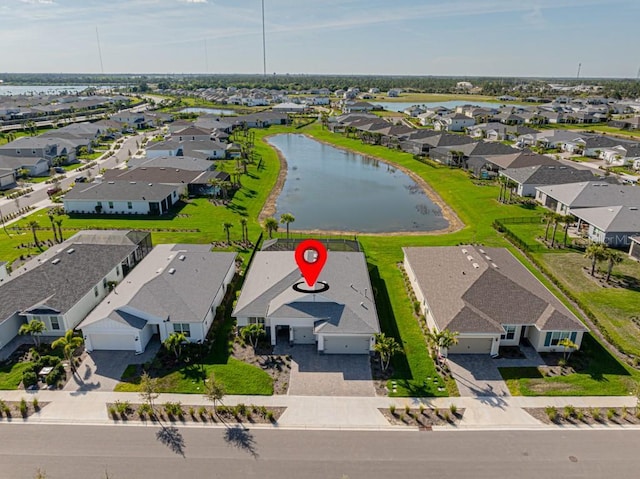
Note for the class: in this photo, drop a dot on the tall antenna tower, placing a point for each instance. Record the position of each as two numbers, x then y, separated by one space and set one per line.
99 51
264 45
579 67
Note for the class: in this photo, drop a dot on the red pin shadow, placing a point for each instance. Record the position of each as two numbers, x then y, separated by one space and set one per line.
311 264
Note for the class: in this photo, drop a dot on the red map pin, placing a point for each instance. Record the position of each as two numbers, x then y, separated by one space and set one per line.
311 255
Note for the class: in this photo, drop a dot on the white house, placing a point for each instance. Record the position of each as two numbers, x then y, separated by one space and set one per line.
453 122
340 318
489 298
176 288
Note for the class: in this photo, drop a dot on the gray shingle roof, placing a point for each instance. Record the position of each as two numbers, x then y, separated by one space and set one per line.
611 219
182 162
548 175
593 194
120 190
347 307
467 293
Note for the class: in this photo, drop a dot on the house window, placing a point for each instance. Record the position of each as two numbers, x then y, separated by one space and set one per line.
99 203
111 204
183 328
129 205
254 320
55 322
104 283
509 332
553 338
95 291
118 270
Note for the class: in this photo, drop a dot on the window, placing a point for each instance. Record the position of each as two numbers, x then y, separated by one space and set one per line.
129 205
509 332
95 291
118 270
99 203
553 338
55 322
254 320
104 283
183 328
111 204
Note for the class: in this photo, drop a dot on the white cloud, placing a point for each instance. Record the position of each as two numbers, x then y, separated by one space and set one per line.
193 1
38 2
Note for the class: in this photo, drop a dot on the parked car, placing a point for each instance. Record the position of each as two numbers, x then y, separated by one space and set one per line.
59 169
81 179
53 190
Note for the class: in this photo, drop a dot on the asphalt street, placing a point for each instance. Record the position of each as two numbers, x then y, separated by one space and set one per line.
119 452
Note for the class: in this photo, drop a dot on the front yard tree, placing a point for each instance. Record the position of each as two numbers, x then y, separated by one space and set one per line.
69 343
557 218
227 228
34 226
174 343
53 227
59 224
548 218
149 389
271 225
386 347
613 258
252 333
213 391
595 252
287 218
569 346
35 328
245 232
442 340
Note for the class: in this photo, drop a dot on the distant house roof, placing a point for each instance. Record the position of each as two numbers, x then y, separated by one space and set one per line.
520 159
547 175
152 175
181 162
611 219
120 190
593 194
346 307
473 290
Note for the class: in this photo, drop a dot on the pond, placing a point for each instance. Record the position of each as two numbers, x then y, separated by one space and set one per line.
210 111
330 189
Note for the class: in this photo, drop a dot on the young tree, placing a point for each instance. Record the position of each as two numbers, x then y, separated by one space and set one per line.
270 225
53 227
386 347
569 346
69 343
35 328
613 258
442 340
252 333
595 252
287 218
174 343
34 226
227 227
213 391
149 389
548 217
557 218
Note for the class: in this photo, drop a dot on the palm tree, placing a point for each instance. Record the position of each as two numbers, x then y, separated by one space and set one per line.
53 227
548 217
270 225
287 218
174 343
556 220
252 333
595 252
69 343
227 227
442 340
215 183
59 224
34 226
224 187
245 233
567 344
386 347
613 258
567 220
35 328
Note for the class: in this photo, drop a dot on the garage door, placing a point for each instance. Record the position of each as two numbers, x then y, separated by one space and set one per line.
346 345
472 346
303 336
117 342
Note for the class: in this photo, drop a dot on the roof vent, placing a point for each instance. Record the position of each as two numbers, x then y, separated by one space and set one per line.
633 208
55 261
488 258
71 250
481 250
494 265
469 257
112 182
476 265
150 184
464 251
172 270
132 182
181 257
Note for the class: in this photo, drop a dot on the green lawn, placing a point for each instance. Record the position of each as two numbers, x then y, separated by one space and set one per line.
602 375
11 376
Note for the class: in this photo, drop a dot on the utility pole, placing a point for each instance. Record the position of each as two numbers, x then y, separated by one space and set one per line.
264 46
99 51
579 67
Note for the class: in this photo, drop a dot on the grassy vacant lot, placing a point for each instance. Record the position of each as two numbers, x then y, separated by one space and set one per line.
602 375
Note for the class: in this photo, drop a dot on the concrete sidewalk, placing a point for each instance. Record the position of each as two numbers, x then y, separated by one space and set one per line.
313 412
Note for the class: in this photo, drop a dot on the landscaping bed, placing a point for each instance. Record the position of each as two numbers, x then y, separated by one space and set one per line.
276 366
20 409
422 417
570 415
176 412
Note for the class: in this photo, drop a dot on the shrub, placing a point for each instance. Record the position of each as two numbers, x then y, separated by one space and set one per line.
407 409
611 413
36 404
392 409
446 416
624 412
562 363
270 416
202 412
422 408
122 407
552 413
568 411
113 412
56 375
596 414
173 409
579 415
29 378
23 408
454 409
192 411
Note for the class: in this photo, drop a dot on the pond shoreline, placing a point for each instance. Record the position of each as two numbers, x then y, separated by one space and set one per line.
269 208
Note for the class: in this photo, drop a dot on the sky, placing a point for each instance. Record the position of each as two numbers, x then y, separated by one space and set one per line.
544 38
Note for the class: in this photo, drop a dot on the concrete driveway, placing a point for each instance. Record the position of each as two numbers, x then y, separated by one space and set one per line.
314 374
102 370
477 375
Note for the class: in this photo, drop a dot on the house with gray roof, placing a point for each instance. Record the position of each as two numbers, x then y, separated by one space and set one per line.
611 225
176 288
340 318
180 162
589 194
123 197
62 285
529 178
489 298
634 247
34 165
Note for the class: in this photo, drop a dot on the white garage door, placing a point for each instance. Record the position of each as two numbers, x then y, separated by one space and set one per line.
346 345
303 335
116 342
472 346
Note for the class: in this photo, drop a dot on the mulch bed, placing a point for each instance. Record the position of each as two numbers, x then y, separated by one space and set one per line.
11 409
277 366
570 416
380 377
240 414
425 418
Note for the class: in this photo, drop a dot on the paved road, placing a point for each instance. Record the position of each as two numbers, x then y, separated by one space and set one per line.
135 452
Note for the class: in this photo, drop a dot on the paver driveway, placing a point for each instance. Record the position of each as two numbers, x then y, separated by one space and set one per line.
477 375
314 374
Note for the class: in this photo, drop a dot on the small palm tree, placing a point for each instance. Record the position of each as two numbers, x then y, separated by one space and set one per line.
69 343
174 343
271 225
287 218
613 258
569 346
59 225
386 347
245 233
442 340
252 333
34 226
557 218
53 227
227 228
548 218
35 328
595 252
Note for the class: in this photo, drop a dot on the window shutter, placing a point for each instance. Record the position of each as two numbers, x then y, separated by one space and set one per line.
547 339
